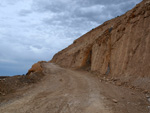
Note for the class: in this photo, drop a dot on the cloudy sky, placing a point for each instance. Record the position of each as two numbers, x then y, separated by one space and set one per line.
34 30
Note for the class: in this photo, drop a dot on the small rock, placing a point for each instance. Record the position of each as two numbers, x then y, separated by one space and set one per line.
3 94
145 91
148 108
148 99
114 100
132 93
115 79
60 80
118 83
147 96
122 97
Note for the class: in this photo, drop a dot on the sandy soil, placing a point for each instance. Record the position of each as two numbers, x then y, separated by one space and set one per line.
67 91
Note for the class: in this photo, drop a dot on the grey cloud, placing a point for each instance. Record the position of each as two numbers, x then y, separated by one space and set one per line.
106 2
37 46
11 2
59 5
91 14
85 10
46 5
24 12
127 6
86 17
118 9
23 21
87 3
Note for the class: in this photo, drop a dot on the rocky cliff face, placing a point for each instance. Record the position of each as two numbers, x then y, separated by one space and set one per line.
120 46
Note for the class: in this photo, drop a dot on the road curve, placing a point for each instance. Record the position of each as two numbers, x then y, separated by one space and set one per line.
60 91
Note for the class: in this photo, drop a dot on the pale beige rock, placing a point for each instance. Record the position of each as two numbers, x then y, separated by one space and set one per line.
114 100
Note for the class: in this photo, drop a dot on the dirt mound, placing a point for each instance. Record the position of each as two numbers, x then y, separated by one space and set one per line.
118 48
10 84
37 67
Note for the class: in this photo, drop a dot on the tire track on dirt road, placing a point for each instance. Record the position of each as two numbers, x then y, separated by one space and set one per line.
60 91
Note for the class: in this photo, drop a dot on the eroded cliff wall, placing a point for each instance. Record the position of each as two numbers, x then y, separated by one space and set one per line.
120 46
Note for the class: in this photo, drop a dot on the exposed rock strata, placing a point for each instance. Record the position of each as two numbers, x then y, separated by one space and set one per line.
120 46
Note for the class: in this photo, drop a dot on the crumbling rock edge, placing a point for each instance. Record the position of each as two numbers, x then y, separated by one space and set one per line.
9 85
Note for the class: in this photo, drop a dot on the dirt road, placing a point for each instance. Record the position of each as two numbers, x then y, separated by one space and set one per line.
67 91
61 91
